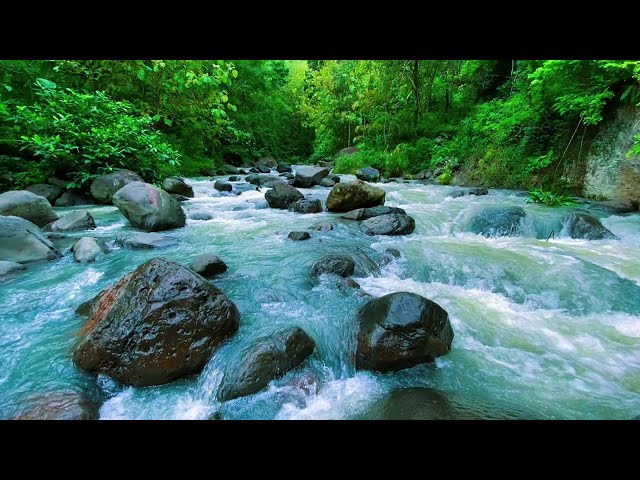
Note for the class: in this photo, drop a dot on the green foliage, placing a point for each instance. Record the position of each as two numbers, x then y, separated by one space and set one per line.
550 199
84 135
445 177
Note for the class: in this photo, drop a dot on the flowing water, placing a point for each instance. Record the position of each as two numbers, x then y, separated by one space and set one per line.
552 327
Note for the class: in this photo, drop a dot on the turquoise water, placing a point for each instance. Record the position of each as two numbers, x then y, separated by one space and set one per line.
552 326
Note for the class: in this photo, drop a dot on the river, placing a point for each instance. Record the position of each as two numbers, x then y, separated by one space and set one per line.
550 328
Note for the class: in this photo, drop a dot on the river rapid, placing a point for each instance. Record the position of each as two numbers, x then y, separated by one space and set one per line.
546 329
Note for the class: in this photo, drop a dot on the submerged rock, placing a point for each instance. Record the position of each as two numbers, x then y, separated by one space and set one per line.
73 221
390 224
269 358
8 269
584 225
400 330
309 176
146 240
349 196
200 216
233 178
282 196
178 186
58 406
27 205
306 205
73 199
148 207
368 174
299 236
364 213
103 188
463 192
340 265
50 192
158 323
498 221
222 186
22 241
322 226
87 249
208 265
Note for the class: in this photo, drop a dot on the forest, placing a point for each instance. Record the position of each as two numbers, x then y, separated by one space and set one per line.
496 123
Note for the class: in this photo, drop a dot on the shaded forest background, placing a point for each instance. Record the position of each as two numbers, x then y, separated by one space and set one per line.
506 123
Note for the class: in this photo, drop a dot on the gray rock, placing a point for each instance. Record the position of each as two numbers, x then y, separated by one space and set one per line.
347 151
58 406
263 169
57 182
73 221
201 216
327 182
178 186
222 186
498 221
322 226
268 162
306 205
103 188
340 265
335 178
284 168
233 178
27 205
364 213
149 208
146 240
9 269
368 174
50 192
178 197
348 196
585 226
72 199
288 176
22 241
309 176
299 236
208 265
87 249
390 224
267 181
282 196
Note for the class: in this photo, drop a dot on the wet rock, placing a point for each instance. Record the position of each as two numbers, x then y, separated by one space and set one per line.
268 162
71 198
73 221
269 358
306 205
463 192
423 175
149 208
57 182
288 176
282 196
50 192
267 181
226 169
263 169
158 323
146 240
284 168
178 186
254 170
347 151
323 163
27 205
340 265
103 188
234 178
368 174
498 221
22 241
87 249
390 224
335 178
400 330
327 182
394 252
309 176
585 226
348 196
364 213
58 406
208 265
299 236
322 226
222 186
180 198
8 269
201 216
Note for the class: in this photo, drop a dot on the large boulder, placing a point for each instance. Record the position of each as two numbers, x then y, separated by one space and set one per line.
146 241
390 224
178 186
284 168
73 221
364 213
72 199
400 330
103 188
585 226
58 406
50 192
263 169
222 186
282 196
21 241
309 176
158 323
306 205
149 208
9 268
340 265
267 359
351 195
225 169
208 265
368 174
27 205
268 162
87 249
498 221
267 181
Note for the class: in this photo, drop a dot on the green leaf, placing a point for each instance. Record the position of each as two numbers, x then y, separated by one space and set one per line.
168 121
624 95
141 74
46 84
234 73
8 87
156 117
